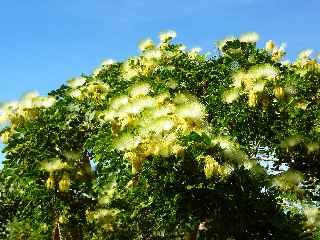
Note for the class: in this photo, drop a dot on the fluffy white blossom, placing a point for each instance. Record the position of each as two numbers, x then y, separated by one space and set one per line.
119 101
231 95
107 62
193 110
127 142
250 37
220 44
53 165
140 89
166 36
146 44
305 54
76 82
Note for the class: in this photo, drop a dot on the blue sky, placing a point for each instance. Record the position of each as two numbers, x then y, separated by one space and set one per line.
45 43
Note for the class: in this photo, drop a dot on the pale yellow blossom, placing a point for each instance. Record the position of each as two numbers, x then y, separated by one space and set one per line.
166 36
250 37
231 95
76 82
140 89
305 54
269 45
146 44
220 44
53 165
107 62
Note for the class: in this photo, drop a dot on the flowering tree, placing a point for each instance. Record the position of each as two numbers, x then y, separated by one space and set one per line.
166 145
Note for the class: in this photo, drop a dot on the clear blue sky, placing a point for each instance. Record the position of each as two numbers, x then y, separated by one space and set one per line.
44 43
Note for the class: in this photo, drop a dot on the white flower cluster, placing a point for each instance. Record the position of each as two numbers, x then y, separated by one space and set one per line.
250 37
81 88
13 113
253 81
277 53
143 125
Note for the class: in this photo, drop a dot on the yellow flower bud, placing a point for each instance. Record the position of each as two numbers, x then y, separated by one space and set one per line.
136 165
62 219
278 92
270 45
277 54
211 167
64 183
50 182
252 99
178 150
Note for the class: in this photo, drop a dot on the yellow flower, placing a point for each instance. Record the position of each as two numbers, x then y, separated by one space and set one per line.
193 110
64 183
194 52
4 137
30 95
98 88
269 45
278 53
238 78
224 143
177 150
313 147
62 219
150 55
53 165
211 166
143 102
47 101
136 165
76 93
182 98
128 71
162 110
96 71
278 92
258 86
313 216
119 101
130 156
264 71
302 105
129 108
172 84
127 142
50 182
160 99
288 180
160 125
252 99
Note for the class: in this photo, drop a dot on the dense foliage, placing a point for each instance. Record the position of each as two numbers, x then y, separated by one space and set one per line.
168 145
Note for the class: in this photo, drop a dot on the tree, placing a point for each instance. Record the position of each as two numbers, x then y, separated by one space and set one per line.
165 145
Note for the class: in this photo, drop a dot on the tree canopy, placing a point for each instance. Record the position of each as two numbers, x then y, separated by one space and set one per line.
170 144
